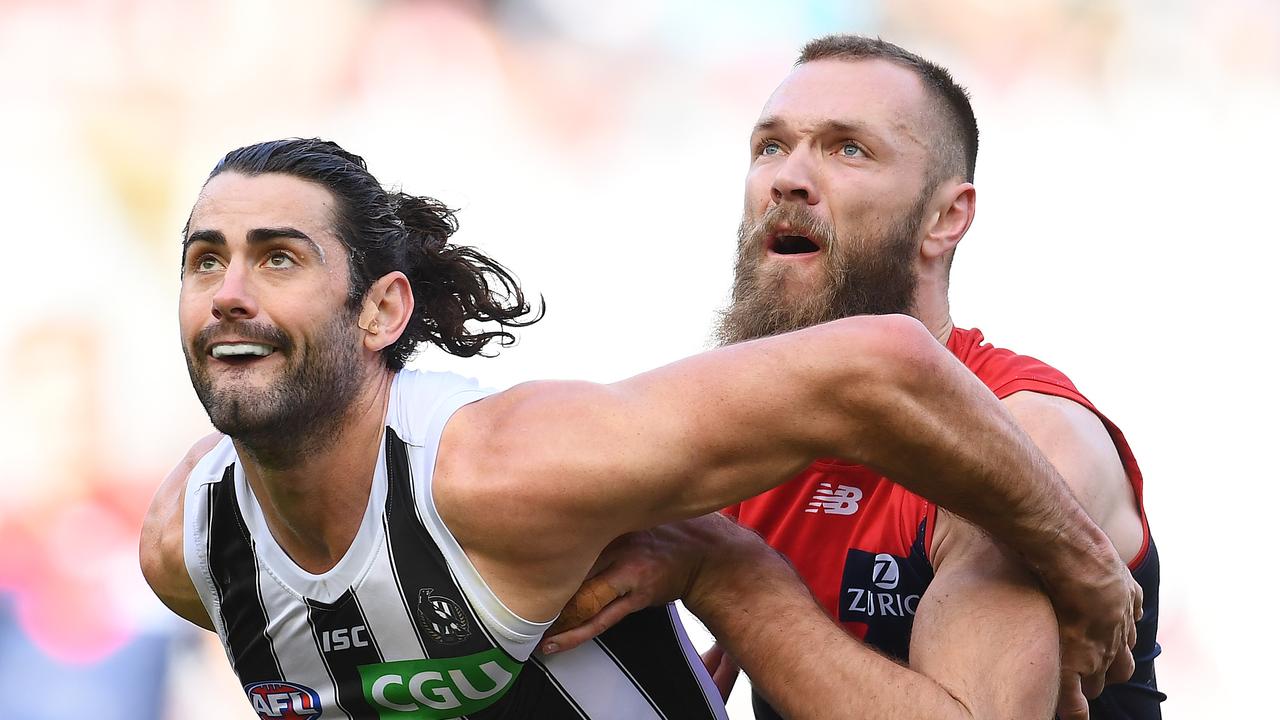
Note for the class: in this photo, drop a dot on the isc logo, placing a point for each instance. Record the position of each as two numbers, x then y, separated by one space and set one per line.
343 638
285 700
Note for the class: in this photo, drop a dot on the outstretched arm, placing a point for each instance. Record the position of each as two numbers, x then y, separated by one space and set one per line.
961 642
710 430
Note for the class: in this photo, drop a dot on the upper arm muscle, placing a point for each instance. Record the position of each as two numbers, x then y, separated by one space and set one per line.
675 442
984 630
569 466
1073 438
160 547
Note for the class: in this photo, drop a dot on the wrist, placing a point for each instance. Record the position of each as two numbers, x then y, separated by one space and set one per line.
736 562
1079 551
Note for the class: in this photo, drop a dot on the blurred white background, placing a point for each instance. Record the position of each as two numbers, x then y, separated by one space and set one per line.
1126 234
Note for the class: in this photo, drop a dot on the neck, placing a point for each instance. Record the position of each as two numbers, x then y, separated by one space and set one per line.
932 307
314 495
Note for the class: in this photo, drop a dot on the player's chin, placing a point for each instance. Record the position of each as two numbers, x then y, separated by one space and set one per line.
797 286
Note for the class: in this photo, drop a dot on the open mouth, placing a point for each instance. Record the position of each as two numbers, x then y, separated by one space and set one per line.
240 353
793 245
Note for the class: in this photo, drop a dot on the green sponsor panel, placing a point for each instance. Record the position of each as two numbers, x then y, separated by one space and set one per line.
440 688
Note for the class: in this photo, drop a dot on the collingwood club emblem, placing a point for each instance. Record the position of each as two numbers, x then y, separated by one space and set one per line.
442 618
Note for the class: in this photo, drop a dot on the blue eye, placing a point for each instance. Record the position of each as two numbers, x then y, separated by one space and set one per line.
770 148
850 150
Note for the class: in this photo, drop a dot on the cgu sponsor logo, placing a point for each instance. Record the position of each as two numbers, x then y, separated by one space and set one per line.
283 700
439 688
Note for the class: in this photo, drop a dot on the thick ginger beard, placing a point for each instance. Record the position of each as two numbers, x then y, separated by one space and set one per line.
872 273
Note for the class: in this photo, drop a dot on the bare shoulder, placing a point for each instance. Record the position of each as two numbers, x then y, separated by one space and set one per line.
509 484
160 545
1062 422
519 428
516 453
1074 439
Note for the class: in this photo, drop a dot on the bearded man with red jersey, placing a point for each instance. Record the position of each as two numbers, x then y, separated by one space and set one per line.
860 188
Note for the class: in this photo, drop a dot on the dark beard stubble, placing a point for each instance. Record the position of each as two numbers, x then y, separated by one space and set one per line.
869 274
302 409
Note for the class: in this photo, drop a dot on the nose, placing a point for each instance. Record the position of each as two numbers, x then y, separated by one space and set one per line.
234 298
796 180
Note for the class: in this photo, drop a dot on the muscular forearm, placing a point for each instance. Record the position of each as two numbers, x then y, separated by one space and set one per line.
943 435
761 613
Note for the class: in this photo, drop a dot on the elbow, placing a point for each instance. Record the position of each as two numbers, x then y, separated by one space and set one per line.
891 369
894 357
905 344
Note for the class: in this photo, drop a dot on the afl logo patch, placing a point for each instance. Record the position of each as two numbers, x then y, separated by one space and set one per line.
443 619
283 700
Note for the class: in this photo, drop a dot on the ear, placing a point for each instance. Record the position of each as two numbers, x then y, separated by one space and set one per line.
386 310
951 215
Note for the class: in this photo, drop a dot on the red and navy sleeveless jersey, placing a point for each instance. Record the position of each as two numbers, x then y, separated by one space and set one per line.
861 542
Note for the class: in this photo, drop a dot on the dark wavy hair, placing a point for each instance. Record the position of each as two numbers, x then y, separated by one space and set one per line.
386 231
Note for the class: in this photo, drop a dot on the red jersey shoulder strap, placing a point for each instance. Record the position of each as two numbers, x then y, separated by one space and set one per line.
1006 372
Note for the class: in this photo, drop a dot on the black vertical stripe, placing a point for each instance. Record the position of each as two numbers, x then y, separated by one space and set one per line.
420 568
560 705
622 668
409 502
395 574
401 494
418 563
364 620
342 655
535 691
646 646
221 620
233 566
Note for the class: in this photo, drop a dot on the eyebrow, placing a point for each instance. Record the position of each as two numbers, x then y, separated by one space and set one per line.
826 127
257 236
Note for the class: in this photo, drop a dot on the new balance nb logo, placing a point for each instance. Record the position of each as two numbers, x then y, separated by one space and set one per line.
841 501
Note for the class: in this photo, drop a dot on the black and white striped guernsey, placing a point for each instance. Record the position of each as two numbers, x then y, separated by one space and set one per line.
404 626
